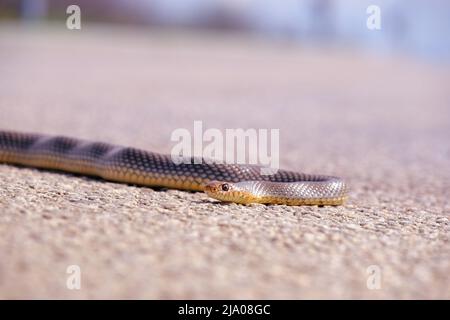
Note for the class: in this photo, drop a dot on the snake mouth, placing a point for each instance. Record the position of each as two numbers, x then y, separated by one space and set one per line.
228 192
219 190
213 187
208 188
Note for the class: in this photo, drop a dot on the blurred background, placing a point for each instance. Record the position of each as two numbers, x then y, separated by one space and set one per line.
412 27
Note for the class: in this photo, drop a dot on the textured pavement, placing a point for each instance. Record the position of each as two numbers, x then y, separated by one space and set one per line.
382 123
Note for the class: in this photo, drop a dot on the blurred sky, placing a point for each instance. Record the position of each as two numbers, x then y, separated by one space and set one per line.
416 27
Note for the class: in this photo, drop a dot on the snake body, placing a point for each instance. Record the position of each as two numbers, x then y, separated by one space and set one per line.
226 182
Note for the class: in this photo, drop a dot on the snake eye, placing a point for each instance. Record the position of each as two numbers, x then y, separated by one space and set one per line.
225 187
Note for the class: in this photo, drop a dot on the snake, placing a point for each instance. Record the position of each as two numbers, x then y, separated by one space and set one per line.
238 183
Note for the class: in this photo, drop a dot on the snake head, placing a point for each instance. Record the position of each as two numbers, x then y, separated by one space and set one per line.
229 192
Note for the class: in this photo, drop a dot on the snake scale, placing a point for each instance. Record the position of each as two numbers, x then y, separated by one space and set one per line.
226 182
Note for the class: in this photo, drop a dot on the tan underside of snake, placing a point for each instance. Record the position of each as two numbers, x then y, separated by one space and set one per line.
226 182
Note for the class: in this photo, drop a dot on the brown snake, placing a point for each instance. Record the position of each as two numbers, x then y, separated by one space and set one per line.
226 182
